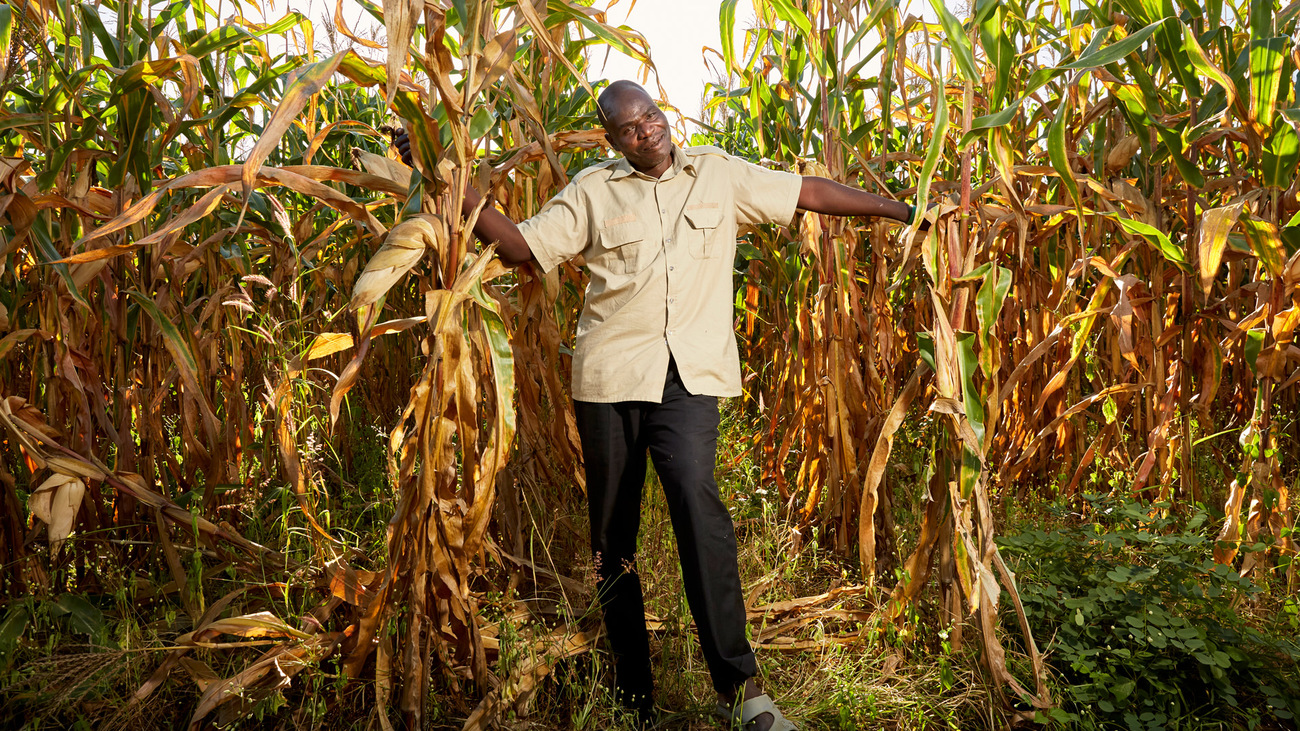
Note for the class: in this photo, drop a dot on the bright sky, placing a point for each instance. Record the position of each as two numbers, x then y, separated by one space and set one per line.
677 30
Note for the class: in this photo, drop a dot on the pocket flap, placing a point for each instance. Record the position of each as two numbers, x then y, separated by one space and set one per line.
620 234
704 217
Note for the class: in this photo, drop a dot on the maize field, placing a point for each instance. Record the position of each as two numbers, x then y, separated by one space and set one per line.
267 404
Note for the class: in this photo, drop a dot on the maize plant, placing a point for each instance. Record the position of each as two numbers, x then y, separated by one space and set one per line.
214 275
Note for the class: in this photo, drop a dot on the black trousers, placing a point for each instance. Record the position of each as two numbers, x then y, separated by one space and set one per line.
681 437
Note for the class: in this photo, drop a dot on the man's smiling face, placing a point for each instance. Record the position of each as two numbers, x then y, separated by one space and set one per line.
636 127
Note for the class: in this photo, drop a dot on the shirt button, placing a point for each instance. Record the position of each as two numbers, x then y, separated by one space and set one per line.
672 300
668 241
672 269
663 210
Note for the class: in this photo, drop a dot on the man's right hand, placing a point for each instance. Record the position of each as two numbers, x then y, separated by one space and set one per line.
491 226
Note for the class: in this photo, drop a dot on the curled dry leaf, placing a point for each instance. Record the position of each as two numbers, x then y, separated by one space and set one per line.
392 170
402 249
261 624
56 503
1122 152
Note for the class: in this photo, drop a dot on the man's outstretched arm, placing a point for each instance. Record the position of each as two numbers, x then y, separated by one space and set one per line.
493 226
822 195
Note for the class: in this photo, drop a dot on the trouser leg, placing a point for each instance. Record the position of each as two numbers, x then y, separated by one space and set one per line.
682 436
615 462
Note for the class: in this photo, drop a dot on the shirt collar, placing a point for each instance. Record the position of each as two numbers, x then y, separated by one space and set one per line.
681 162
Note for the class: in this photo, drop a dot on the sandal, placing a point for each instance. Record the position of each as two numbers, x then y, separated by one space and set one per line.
742 715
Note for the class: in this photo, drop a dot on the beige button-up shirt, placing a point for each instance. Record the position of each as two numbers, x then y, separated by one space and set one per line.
660 253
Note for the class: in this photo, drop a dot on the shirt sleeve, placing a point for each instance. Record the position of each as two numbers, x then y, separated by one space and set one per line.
763 195
561 230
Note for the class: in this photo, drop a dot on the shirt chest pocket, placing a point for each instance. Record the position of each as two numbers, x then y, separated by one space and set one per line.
621 245
702 238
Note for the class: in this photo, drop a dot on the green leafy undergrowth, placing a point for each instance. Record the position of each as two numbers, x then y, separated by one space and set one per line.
1144 630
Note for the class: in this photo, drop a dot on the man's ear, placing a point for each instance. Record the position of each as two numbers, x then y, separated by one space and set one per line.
611 142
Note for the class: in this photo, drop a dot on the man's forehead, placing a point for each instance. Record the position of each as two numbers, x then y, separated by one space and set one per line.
629 103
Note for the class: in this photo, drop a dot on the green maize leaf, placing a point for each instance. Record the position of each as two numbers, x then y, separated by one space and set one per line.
925 348
886 96
1205 67
1191 7
11 629
1039 78
1115 51
501 351
727 27
999 49
1086 324
1175 144
173 339
988 305
877 11
142 73
1136 10
786 10
108 44
280 26
1290 239
1261 19
988 301
1266 243
1253 345
363 72
854 71
1099 36
970 395
1213 11
423 130
932 155
1137 104
958 42
1157 239
1057 153
1169 43
172 12
47 254
481 123
1142 77
979 125
1280 155
975 275
6 34
220 39
1266 59
83 617
55 162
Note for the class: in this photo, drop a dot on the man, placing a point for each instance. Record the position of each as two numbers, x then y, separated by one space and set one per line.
655 351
